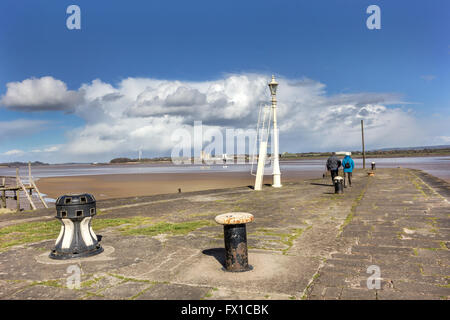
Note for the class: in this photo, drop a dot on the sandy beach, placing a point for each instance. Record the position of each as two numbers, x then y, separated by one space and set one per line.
108 186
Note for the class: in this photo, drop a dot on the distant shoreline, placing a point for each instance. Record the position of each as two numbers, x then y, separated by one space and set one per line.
369 155
284 157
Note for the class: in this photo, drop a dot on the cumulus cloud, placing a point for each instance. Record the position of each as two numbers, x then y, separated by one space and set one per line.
41 94
142 113
13 152
47 149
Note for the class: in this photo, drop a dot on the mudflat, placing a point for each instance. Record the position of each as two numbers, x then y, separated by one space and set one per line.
109 186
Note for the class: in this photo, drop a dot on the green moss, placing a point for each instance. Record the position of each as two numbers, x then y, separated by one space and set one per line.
141 292
126 279
28 233
201 214
263 230
285 238
421 270
418 186
289 240
89 283
48 283
31 232
128 223
350 216
315 276
92 294
180 228
432 249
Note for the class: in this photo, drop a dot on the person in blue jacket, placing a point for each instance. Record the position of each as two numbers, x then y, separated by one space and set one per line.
348 164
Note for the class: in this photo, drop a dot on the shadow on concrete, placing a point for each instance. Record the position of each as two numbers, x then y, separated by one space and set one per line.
218 253
265 185
322 184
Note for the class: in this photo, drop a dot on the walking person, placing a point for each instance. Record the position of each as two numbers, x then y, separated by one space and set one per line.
333 164
348 164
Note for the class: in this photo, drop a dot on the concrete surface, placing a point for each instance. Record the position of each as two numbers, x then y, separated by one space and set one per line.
305 243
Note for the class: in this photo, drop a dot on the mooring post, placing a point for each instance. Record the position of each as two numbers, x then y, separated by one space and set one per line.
338 184
3 193
29 182
29 178
3 199
235 236
17 192
76 238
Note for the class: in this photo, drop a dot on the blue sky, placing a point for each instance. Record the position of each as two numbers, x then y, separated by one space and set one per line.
199 41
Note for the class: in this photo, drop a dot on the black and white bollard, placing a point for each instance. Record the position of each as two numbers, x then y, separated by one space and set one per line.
373 165
338 184
235 235
76 238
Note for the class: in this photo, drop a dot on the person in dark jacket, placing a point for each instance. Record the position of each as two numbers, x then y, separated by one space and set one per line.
333 164
348 164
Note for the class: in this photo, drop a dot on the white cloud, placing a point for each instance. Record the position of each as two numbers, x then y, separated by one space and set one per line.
40 94
443 139
47 149
142 113
13 152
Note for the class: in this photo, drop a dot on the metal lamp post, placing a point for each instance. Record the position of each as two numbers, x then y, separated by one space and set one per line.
276 164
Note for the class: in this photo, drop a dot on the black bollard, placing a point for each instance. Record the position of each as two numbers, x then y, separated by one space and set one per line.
236 254
373 165
235 236
338 185
76 238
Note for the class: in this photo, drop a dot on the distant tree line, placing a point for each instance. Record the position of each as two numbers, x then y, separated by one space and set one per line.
374 153
127 160
21 164
310 155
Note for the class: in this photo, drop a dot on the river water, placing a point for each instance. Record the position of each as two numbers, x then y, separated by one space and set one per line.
437 166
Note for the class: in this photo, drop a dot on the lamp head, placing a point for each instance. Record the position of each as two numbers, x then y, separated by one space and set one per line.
273 86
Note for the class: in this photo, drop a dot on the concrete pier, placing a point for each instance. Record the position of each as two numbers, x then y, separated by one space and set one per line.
305 243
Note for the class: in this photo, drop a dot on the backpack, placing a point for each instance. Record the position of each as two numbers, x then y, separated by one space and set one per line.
347 165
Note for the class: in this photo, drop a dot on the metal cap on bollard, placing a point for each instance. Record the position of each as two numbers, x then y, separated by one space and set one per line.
235 235
76 238
338 184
